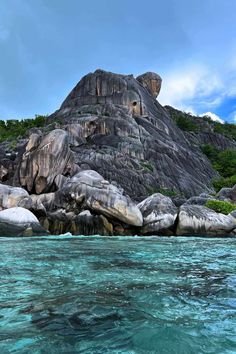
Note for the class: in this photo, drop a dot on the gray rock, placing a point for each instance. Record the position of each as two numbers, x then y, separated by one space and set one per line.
198 200
11 196
42 163
19 222
178 200
117 128
159 214
224 194
196 220
97 194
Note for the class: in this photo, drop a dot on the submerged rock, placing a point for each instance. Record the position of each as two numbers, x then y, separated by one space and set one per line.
196 220
19 222
159 214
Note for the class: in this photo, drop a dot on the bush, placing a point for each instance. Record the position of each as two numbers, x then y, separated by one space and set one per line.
223 162
14 129
227 129
220 206
224 182
185 123
210 151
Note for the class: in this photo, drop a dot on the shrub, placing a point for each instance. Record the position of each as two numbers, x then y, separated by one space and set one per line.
224 182
185 123
14 129
220 206
210 151
225 163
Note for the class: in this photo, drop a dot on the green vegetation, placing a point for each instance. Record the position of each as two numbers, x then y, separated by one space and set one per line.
227 129
224 182
188 122
220 206
225 163
185 123
12 130
147 166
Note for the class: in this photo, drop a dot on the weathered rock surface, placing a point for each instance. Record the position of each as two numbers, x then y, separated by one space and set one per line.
198 200
227 194
19 222
195 220
11 196
117 128
90 188
45 160
159 214
152 82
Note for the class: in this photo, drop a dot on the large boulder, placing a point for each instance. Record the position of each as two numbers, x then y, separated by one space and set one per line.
196 220
97 194
11 196
43 161
152 82
19 222
227 194
159 214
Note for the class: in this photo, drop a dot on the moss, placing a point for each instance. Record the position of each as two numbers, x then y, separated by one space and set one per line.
220 206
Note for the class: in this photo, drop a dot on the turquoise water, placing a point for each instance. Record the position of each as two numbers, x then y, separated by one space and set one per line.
117 295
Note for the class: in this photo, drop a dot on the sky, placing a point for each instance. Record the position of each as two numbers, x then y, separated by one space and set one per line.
46 46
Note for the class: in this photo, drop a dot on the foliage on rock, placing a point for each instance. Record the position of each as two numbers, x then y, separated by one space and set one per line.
220 206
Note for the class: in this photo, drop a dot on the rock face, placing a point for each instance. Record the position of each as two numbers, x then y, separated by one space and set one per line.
45 159
99 195
117 128
201 221
159 215
19 222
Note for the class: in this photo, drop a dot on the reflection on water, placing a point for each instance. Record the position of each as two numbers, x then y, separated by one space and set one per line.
117 295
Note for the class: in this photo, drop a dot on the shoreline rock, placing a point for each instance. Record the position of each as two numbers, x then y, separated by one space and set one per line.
19 222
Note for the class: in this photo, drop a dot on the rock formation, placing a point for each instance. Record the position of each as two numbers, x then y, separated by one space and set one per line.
45 159
19 222
104 160
117 128
159 215
195 220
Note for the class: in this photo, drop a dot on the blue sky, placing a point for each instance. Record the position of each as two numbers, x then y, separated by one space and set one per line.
46 46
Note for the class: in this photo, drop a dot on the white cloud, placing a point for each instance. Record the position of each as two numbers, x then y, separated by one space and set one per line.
213 117
181 88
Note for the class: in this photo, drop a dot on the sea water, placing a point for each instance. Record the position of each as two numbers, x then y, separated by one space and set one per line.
117 295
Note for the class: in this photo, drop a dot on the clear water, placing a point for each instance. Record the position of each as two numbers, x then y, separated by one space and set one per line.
117 295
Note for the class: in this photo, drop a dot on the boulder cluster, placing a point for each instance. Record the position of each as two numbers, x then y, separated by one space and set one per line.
100 164
87 204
